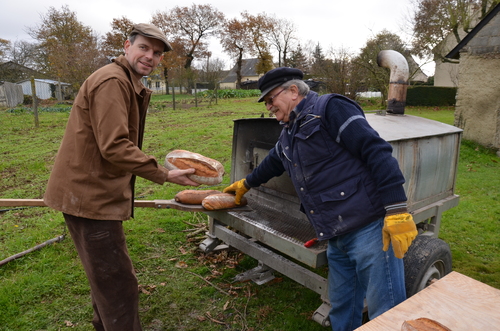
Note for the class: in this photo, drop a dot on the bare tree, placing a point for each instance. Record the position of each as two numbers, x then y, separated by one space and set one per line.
24 53
211 70
433 20
282 37
259 27
191 26
337 71
236 40
4 47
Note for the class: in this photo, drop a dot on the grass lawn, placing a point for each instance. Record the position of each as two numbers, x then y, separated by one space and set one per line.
181 288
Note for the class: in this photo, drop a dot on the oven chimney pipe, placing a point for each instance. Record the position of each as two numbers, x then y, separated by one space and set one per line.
398 82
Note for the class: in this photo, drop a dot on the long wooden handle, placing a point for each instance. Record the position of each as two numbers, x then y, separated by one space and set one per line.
168 204
22 203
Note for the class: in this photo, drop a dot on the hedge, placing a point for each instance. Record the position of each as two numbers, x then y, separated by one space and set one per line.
431 96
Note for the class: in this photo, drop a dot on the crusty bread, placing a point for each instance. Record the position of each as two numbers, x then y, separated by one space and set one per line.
423 324
194 197
208 171
221 201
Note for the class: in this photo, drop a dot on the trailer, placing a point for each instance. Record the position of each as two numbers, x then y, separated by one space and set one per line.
275 230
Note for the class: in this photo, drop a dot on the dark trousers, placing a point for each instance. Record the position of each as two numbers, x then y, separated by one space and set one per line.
113 285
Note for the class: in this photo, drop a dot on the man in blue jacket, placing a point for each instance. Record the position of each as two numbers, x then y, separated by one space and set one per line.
350 187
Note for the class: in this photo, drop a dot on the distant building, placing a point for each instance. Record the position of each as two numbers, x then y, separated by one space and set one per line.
13 72
249 76
446 71
47 88
477 109
416 74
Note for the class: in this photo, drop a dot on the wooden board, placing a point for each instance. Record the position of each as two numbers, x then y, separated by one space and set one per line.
456 301
22 203
169 204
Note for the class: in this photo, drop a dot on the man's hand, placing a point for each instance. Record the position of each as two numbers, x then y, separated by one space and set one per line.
401 231
179 176
239 188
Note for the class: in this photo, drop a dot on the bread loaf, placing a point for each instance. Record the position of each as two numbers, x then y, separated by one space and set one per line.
208 171
194 197
423 324
221 201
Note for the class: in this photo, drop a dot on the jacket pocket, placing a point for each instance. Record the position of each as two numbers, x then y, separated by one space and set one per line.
308 129
342 191
311 146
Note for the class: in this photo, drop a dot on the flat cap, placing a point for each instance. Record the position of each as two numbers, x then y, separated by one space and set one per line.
151 31
276 77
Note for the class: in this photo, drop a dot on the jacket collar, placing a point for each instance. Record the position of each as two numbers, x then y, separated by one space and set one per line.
134 77
298 112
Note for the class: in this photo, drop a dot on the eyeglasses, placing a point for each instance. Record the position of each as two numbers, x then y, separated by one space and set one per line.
270 101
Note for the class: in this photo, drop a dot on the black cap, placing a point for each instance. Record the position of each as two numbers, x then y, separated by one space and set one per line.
277 77
151 31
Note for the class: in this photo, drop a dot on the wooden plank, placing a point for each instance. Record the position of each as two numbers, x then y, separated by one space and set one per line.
456 301
168 204
22 203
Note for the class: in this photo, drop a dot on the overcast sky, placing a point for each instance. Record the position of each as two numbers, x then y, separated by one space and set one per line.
332 24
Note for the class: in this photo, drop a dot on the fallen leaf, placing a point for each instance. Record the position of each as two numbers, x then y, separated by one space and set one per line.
181 264
226 305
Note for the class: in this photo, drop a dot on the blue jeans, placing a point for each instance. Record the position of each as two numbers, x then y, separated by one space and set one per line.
358 269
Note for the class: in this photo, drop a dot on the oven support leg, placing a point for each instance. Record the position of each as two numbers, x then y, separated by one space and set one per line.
279 263
219 232
259 275
209 244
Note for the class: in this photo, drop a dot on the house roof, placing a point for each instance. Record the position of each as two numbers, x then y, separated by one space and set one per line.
248 67
455 52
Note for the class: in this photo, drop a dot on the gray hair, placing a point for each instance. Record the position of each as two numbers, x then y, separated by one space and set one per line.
301 85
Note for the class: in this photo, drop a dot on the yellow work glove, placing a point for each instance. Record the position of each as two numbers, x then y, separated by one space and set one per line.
401 231
239 188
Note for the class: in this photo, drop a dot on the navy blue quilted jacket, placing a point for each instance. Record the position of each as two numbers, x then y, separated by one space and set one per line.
343 171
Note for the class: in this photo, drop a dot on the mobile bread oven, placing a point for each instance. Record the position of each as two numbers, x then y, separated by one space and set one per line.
274 230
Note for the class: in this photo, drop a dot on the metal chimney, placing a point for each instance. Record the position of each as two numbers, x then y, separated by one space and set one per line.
398 82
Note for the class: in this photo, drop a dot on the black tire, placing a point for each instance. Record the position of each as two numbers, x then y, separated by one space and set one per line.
427 259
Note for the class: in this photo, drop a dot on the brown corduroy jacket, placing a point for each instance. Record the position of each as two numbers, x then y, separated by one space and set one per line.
94 171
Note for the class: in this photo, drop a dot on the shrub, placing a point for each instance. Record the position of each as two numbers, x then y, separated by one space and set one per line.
229 94
27 100
432 96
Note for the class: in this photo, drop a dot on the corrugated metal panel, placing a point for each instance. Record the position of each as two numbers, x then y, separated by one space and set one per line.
427 152
42 87
10 94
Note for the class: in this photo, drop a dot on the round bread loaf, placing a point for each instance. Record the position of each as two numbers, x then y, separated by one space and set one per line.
208 171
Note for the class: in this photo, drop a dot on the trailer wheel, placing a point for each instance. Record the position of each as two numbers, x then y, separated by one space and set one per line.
427 259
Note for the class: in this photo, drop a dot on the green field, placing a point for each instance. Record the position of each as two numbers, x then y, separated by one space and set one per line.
182 288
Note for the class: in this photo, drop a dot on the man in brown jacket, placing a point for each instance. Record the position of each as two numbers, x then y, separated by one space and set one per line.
92 181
